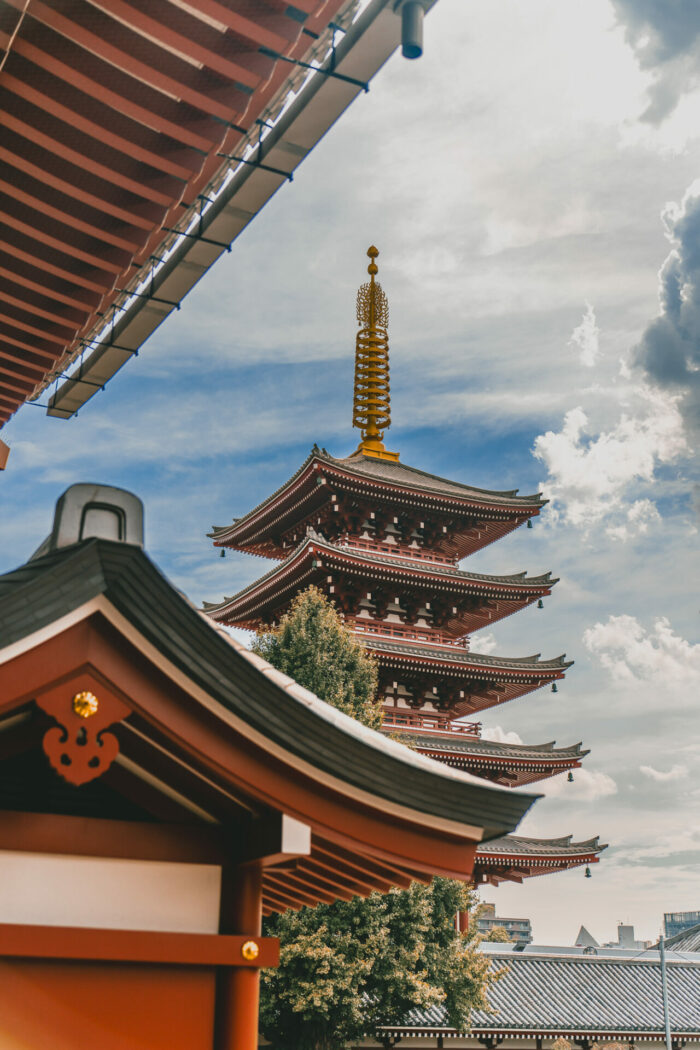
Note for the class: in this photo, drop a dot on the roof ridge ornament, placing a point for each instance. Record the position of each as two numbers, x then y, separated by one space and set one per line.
371 401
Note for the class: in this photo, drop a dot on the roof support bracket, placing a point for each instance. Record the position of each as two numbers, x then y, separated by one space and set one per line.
270 53
146 295
257 164
198 237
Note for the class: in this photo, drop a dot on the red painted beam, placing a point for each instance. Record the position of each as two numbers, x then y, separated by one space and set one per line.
269 27
41 205
182 31
29 277
32 363
120 92
102 132
52 146
35 305
130 52
68 179
111 260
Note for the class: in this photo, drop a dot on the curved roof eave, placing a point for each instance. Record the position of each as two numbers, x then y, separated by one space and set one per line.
38 593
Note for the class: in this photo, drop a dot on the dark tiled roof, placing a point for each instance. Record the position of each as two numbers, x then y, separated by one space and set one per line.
526 663
396 473
685 941
519 846
556 994
493 749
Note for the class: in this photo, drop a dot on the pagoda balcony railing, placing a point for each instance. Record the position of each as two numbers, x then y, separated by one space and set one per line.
425 635
414 721
396 550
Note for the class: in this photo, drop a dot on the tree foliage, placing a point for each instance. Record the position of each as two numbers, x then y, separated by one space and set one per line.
313 647
498 934
348 967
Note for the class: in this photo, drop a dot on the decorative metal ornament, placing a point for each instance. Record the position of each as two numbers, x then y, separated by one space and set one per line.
250 951
85 704
587 873
79 747
540 603
570 777
371 412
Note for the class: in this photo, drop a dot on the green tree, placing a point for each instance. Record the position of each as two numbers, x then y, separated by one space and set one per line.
499 934
313 647
348 967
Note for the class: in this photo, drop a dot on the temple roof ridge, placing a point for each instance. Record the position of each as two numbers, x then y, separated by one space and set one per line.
525 845
397 469
495 748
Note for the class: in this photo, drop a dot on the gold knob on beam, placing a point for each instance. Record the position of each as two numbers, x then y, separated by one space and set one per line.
250 951
85 704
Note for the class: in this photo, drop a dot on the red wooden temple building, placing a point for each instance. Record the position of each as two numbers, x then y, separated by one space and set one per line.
161 788
384 541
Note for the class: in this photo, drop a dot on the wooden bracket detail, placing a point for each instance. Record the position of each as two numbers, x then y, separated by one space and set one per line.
79 748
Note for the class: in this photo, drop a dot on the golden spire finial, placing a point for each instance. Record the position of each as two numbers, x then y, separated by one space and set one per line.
370 410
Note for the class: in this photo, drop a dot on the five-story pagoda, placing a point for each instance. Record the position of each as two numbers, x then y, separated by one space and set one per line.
384 541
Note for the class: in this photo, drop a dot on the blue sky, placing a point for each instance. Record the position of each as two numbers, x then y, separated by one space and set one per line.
526 182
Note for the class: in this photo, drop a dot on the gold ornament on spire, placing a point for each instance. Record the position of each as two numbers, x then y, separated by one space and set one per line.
370 410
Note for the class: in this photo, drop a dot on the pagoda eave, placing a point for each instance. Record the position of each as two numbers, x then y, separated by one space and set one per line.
503 772
513 859
468 601
320 479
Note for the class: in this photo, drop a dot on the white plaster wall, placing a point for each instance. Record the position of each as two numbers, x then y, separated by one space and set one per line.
45 889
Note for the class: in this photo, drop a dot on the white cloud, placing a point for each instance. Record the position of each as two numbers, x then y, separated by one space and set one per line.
640 516
589 474
676 772
500 736
588 786
584 338
631 653
483 643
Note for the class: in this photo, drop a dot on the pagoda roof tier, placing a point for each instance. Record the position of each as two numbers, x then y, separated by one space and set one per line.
488 598
512 765
478 516
514 858
485 680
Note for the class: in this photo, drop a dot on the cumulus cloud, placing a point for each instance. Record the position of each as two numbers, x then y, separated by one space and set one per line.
500 736
664 36
584 338
639 517
588 786
589 474
633 653
483 643
669 350
676 772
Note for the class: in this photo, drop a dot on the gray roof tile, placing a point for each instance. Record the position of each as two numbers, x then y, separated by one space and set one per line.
579 994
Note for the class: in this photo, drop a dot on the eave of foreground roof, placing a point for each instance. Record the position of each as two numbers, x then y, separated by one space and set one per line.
40 593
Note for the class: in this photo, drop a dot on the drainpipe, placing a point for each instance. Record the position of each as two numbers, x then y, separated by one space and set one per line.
412 12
